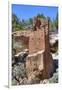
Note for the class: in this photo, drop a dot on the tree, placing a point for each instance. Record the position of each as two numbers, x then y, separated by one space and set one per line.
56 21
16 23
30 20
41 16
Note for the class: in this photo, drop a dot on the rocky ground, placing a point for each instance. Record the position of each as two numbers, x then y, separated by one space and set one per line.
19 76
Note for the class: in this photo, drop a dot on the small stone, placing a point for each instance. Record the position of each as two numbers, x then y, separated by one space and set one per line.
14 82
45 81
41 82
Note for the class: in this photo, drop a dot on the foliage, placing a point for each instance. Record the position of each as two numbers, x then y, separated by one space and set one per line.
16 24
24 24
41 16
56 21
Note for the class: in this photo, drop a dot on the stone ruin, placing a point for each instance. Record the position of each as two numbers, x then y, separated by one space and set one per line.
39 60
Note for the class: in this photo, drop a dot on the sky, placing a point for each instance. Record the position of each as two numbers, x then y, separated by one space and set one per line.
28 11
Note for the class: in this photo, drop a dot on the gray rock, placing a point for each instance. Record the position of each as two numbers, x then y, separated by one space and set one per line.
18 70
14 82
54 78
45 81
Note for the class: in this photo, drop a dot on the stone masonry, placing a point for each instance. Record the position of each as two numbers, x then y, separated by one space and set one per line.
39 59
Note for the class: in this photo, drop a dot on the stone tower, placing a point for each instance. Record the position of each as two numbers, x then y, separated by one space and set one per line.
39 58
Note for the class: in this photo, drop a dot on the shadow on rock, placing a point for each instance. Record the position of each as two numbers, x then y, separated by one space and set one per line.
55 62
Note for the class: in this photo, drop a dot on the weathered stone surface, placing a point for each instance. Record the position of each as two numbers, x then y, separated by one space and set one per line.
39 65
40 41
36 41
34 62
45 81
